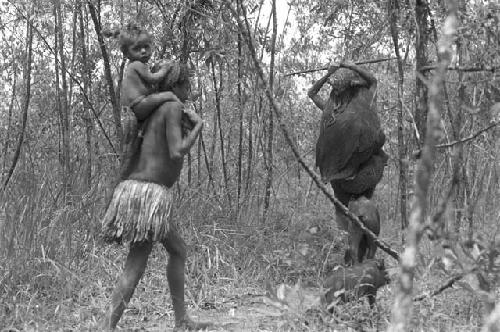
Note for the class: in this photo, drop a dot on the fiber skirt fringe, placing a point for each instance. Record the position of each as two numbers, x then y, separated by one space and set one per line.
137 212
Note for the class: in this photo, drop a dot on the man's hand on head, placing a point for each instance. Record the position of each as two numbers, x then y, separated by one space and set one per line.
332 69
347 64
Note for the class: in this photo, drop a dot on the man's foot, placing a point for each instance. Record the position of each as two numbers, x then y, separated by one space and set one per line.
187 324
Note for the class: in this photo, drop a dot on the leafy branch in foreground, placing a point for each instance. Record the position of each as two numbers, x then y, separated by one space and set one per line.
401 311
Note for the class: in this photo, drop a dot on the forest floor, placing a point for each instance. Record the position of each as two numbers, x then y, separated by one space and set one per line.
228 272
68 301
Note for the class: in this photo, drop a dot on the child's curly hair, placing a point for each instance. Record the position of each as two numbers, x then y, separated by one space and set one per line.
129 35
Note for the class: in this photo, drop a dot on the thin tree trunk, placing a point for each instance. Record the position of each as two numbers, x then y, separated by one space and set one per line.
9 119
269 178
221 137
421 41
201 145
27 96
74 48
241 117
63 100
456 123
86 114
107 73
401 311
250 147
393 8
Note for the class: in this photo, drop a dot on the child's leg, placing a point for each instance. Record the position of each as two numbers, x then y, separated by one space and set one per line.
176 247
151 102
134 269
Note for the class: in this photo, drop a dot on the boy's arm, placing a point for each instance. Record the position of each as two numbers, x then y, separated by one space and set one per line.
313 91
178 146
152 78
365 74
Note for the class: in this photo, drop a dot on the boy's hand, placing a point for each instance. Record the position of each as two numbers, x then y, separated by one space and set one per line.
193 116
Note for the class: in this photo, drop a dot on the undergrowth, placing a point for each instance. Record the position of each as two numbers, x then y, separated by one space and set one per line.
57 275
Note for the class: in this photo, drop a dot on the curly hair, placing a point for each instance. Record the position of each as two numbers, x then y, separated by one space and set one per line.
129 35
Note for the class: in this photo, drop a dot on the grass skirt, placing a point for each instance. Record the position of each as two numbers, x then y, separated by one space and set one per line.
138 211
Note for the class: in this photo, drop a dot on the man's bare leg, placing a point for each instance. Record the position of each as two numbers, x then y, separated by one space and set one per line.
176 248
135 265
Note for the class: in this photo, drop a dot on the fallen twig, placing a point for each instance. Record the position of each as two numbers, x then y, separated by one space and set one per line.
439 290
363 62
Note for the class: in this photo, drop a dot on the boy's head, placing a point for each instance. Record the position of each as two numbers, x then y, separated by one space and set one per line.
135 43
177 80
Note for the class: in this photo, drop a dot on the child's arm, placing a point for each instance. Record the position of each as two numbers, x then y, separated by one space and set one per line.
143 71
313 91
365 74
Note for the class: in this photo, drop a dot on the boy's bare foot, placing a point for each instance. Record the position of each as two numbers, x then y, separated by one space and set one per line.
187 324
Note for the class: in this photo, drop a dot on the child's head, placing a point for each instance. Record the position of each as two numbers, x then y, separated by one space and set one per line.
135 43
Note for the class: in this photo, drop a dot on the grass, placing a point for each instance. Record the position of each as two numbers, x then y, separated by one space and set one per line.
56 274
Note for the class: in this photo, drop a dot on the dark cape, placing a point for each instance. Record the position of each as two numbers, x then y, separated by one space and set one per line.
349 148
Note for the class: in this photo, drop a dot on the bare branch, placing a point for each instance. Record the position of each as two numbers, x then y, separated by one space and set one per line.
469 69
449 283
469 138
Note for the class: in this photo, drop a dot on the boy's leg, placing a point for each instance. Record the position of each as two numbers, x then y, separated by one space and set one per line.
134 269
176 248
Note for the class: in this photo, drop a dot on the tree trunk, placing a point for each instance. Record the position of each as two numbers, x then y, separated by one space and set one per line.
269 152
221 137
27 95
107 72
9 120
402 307
422 38
456 123
241 117
86 114
393 8
63 100
250 146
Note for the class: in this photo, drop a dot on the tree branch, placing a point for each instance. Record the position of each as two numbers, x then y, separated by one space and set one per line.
469 138
450 282
469 69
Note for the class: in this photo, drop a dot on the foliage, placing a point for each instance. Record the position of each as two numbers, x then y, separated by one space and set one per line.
50 252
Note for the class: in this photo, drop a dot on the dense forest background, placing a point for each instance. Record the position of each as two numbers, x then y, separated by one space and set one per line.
250 212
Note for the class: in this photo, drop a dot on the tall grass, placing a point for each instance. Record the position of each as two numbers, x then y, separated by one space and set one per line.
55 272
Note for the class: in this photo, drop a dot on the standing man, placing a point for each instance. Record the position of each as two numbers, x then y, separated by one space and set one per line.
139 212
